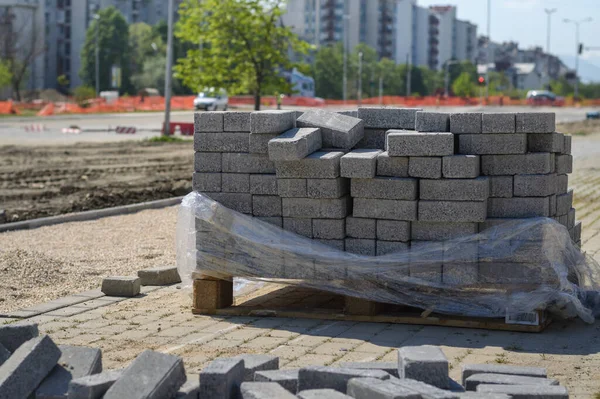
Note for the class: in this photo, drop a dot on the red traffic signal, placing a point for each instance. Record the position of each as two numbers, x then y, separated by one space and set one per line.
481 80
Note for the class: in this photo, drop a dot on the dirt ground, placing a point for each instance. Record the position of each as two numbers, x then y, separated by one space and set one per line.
52 180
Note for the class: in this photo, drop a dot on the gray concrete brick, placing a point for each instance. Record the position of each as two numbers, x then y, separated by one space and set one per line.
295 144
498 123
473 381
159 276
567 144
426 260
4 354
461 166
401 188
236 121
389 367
121 286
562 184
320 377
259 143
526 164
316 208
274 220
424 363
208 122
246 163
221 142
424 390
432 122
329 229
564 164
292 188
465 122
206 182
522 207
300 226
392 166
390 247
548 142
361 227
372 139
190 389
266 205
525 391
207 162
360 163
393 230
407 143
468 370
264 390
339 131
327 188
369 388
93 386
452 211
534 185
263 184
425 167
385 209
564 202
13 336
335 244
460 274
388 117
432 231
577 232
74 362
321 394
29 364
271 121
481 395
239 202
552 205
234 183
222 378
360 246
352 113
571 218
254 363
535 122
501 186
319 165
481 144
288 379
455 189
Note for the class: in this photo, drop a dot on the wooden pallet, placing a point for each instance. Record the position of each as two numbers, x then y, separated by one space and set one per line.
275 300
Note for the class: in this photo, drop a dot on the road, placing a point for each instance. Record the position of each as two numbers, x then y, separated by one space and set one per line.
97 127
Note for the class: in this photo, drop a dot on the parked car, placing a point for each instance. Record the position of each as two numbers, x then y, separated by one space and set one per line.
544 97
211 100
592 115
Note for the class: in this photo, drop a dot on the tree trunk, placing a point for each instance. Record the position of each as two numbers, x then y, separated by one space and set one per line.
16 91
257 102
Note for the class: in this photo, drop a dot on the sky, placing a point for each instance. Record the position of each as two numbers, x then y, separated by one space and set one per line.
525 21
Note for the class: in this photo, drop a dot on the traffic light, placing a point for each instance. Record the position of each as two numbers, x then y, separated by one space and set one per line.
481 81
580 49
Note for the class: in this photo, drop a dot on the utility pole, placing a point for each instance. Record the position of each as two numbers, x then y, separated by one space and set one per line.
447 77
345 47
408 74
360 59
548 11
168 74
97 66
577 23
489 50
381 89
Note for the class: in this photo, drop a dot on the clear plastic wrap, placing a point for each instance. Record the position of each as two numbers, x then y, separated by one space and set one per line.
516 267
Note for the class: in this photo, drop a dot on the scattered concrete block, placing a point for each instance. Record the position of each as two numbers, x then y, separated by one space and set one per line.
481 144
547 142
388 117
498 123
473 381
322 394
534 185
29 364
221 142
318 165
466 122
327 188
400 188
222 378
259 143
361 228
385 209
452 211
525 164
264 390
339 131
189 390
432 122
404 143
562 184
370 388
236 121
432 231
266 205
247 163
316 208
206 182
208 122
298 226
234 183
389 367
295 144
272 121
425 167
207 162
254 363
501 186
393 230
424 363
525 391
121 286
292 188
455 189
159 276
360 246
522 207
423 389
564 164
468 370
372 139
263 184
329 229
12 336
568 144
151 375
359 164
481 395
535 122
92 386
74 362
461 166
4 354
564 202
288 379
390 247
317 377
392 166
239 202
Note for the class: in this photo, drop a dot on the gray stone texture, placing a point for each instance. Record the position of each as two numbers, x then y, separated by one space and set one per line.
234 183
327 188
473 381
564 164
432 122
208 122
392 166
266 205
564 202
206 182
393 230
272 121
338 131
93 386
207 162
336 244
399 188
406 143
259 143
425 167
247 163
263 184
465 123
388 117
562 184
535 122
288 379
568 144
264 390
369 388
292 188
299 226
351 113
548 142
525 164
239 202
361 228
4 354
360 246
525 391
322 394
389 367
12 336
360 163
336 378
274 220
455 189
236 121
190 389
222 378
501 186
385 209
534 185
295 144
329 229
221 142
425 390
461 166
390 247
424 363
432 231
498 123
468 370
372 139
522 207
121 286
452 211
316 208
319 165
482 144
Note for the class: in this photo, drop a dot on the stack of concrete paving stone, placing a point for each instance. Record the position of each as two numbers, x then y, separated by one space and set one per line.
32 366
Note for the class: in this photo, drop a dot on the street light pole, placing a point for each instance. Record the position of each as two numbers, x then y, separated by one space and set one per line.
489 49
549 11
408 74
168 69
345 46
447 76
360 59
97 66
577 23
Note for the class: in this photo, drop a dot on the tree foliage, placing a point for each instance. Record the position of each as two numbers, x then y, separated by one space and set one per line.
5 75
144 43
241 46
464 85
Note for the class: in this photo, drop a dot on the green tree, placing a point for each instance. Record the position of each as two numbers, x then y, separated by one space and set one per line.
327 71
464 85
144 43
5 75
113 42
244 46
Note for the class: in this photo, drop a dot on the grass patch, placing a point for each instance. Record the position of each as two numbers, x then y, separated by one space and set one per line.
168 139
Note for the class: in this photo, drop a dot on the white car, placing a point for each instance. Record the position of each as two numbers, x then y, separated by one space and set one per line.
211 100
